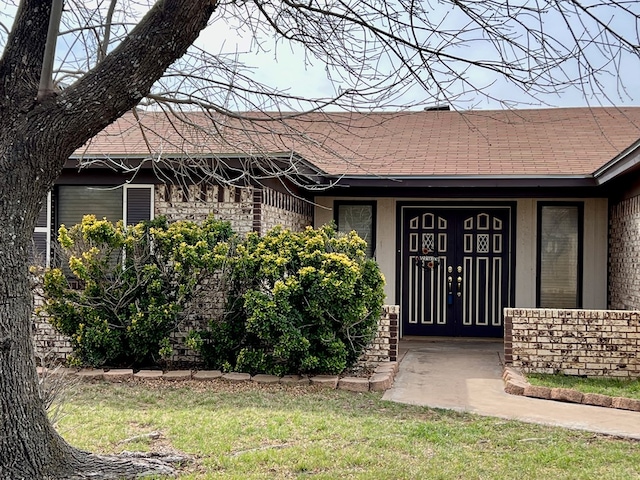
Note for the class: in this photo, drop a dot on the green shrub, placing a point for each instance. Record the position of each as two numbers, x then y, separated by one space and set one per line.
131 285
305 302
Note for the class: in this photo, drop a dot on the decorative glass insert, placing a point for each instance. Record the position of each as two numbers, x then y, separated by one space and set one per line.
442 243
428 241
497 243
359 218
413 242
482 243
468 240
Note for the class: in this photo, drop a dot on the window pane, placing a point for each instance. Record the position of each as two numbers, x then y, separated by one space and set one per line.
360 219
42 216
74 202
558 252
38 250
138 205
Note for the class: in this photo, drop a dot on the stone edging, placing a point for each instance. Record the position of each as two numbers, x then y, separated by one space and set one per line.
381 379
516 384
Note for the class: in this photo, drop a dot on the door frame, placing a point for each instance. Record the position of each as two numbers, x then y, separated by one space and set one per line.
461 206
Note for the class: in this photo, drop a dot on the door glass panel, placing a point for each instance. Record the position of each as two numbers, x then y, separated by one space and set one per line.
558 256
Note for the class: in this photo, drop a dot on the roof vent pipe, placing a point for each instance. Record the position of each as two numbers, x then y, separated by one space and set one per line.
437 107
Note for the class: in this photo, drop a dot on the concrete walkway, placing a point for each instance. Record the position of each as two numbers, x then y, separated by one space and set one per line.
466 375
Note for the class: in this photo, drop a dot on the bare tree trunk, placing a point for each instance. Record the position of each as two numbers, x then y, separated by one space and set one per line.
26 436
30 448
35 140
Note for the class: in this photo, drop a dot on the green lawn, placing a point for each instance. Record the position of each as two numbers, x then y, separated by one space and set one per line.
629 388
251 432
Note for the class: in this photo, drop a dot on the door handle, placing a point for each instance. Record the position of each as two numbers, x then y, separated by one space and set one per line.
459 279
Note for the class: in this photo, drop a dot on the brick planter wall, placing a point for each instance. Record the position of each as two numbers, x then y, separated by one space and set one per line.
573 342
54 348
384 347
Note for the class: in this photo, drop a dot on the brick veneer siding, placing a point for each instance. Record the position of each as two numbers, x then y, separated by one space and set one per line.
233 204
277 208
249 209
624 255
50 346
573 342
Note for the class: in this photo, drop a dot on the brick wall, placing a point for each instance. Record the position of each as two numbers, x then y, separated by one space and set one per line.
573 342
50 346
624 255
249 209
277 208
196 202
54 348
384 347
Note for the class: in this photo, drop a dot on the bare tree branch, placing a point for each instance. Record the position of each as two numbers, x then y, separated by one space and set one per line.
46 77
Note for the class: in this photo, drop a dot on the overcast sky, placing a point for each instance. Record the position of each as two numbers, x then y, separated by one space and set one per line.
285 67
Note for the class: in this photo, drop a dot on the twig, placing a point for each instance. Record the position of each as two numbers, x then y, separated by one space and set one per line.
150 435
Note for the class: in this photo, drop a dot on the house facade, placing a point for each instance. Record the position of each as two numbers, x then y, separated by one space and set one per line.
482 211
467 213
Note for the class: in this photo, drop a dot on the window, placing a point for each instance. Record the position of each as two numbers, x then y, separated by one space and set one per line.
41 241
131 203
559 255
358 216
74 202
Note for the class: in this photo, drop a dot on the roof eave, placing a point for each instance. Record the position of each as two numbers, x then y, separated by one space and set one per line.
622 163
305 171
486 181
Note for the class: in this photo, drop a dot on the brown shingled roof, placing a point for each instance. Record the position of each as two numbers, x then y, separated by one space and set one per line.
542 142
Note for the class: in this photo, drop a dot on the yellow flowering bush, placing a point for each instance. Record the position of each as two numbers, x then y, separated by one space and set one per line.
131 285
300 302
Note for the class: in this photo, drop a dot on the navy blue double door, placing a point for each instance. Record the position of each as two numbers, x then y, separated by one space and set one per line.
456 269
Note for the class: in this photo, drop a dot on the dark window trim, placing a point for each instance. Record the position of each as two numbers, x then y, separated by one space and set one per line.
580 206
374 213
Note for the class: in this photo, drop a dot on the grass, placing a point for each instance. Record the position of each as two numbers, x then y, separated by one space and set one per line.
614 387
255 432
